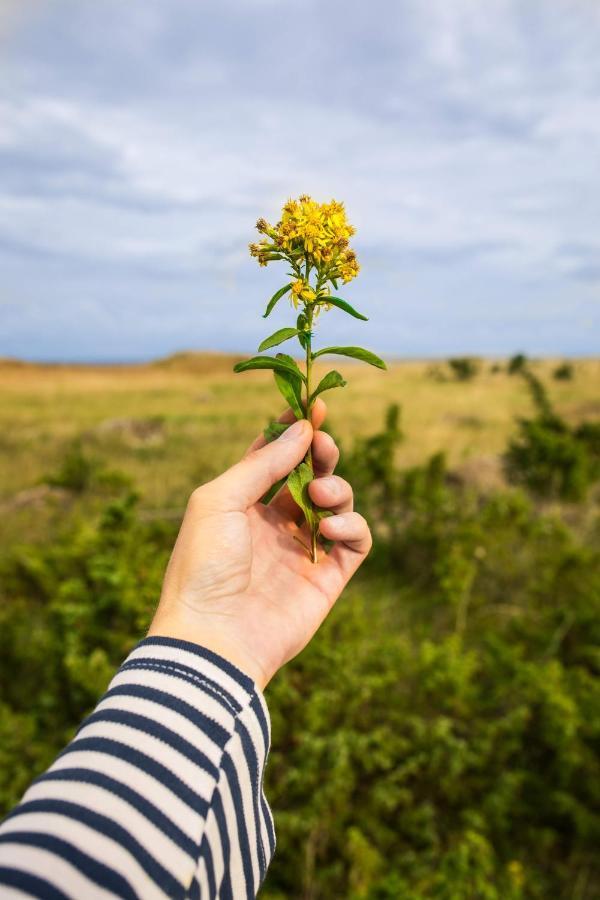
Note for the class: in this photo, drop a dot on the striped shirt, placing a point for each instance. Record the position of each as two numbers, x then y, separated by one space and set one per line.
160 793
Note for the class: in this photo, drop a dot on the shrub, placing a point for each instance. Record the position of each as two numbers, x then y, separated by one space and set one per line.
564 372
548 456
517 364
464 368
79 471
438 739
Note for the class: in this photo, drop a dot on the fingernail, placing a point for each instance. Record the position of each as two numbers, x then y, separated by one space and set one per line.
294 431
336 521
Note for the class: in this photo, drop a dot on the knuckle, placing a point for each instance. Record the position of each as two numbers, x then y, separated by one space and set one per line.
196 498
344 487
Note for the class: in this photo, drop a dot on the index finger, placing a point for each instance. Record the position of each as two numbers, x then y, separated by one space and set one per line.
318 414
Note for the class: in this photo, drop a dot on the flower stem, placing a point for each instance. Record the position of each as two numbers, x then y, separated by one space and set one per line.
308 457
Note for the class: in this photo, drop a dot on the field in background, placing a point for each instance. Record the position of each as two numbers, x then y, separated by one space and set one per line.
177 422
438 738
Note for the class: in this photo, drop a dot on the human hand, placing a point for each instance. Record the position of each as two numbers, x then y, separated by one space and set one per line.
237 583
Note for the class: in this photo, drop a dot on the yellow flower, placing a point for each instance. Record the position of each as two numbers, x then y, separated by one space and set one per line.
311 232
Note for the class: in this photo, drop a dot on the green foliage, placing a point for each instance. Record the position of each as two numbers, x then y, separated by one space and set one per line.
439 738
354 353
564 372
550 457
343 305
517 364
268 362
274 430
275 298
69 612
284 334
80 471
290 388
333 379
298 482
464 368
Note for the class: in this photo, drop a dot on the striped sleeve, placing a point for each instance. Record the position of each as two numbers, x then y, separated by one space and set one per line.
160 794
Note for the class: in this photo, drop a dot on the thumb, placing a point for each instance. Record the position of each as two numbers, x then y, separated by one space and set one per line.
245 483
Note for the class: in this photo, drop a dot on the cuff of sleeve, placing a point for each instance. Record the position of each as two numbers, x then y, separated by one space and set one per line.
199 666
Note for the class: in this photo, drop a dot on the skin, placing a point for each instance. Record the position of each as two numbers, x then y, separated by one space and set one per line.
237 583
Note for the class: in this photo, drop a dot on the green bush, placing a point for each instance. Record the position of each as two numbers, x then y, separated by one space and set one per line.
439 738
517 364
564 372
464 368
79 471
548 456
70 611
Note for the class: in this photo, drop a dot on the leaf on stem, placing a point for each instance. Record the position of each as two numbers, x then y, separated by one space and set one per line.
290 389
355 353
298 482
278 337
275 430
291 362
341 304
274 489
276 296
267 362
333 379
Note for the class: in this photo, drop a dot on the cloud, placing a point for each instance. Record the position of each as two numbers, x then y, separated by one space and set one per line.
139 143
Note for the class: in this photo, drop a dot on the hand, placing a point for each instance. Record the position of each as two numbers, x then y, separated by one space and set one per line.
237 583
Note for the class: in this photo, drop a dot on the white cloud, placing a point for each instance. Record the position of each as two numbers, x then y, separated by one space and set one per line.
463 136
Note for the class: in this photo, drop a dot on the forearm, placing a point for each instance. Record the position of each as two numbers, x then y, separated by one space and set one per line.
160 792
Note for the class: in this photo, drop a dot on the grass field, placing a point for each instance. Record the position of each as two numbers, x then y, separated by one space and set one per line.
173 423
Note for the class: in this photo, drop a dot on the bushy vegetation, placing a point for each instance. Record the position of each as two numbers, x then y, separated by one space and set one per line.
516 364
464 368
564 372
549 456
438 739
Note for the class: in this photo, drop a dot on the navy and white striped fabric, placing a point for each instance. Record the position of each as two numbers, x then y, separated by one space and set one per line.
160 794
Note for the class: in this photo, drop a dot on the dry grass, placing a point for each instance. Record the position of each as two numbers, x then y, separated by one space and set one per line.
175 422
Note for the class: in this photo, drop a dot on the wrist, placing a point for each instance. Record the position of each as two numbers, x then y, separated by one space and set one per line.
202 629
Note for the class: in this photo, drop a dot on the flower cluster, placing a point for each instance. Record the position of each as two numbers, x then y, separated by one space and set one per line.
313 234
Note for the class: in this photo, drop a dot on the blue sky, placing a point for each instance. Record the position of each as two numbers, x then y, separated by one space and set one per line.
140 141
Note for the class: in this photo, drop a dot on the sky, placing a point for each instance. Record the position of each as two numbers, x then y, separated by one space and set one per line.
140 141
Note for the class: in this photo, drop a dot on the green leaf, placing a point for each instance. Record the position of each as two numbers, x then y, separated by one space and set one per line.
290 389
266 498
331 380
276 296
278 337
341 304
323 513
298 482
355 353
275 430
267 362
290 361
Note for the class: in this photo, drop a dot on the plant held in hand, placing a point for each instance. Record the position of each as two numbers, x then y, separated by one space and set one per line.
313 238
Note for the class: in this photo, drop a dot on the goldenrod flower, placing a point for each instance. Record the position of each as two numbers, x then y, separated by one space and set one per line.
312 237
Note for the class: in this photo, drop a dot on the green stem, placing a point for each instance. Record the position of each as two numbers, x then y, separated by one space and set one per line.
308 458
